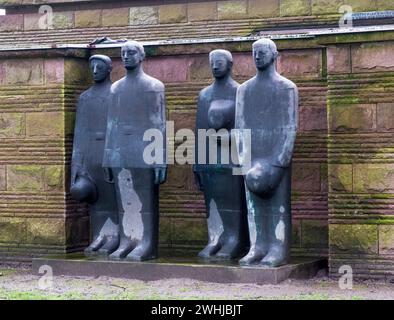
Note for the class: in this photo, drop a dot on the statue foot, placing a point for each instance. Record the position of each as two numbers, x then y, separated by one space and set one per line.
94 246
142 252
276 257
209 250
230 250
124 249
111 244
254 255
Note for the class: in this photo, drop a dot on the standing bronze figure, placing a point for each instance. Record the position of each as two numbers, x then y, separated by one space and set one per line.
224 192
267 104
89 183
138 105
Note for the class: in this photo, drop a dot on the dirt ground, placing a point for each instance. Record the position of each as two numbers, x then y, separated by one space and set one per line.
21 284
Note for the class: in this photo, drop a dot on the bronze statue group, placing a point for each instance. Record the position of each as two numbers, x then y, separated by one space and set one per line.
248 216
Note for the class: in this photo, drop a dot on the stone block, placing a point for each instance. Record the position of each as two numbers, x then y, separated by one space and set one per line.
306 177
314 234
76 71
144 15
244 66
165 231
173 13
352 118
46 231
54 70
296 233
313 118
385 117
340 177
206 11
13 230
263 9
3 178
295 63
63 20
44 124
386 239
168 69
35 21
362 5
180 176
115 17
295 8
12 125
77 230
12 22
354 238
320 7
382 5
338 59
373 178
53 178
88 18
200 68
232 10
25 72
24 178
191 231
372 57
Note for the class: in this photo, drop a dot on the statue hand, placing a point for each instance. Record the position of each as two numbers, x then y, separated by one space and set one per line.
108 176
160 175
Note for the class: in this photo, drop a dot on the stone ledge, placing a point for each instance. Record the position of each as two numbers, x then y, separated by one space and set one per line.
78 265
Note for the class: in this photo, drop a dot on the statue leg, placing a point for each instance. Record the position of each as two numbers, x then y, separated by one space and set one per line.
280 224
234 217
103 217
257 223
214 221
128 206
148 194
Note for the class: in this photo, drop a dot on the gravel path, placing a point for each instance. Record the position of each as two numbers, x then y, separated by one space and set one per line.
21 284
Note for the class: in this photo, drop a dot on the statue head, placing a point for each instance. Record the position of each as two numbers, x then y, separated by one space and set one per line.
264 53
133 54
101 67
221 63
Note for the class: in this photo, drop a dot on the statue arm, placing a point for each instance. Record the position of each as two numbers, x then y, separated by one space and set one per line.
161 170
196 172
285 153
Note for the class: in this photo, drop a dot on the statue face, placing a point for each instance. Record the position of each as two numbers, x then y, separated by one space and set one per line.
100 70
131 57
263 56
220 66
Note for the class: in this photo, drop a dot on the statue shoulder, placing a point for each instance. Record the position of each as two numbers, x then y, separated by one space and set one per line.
153 84
115 86
286 83
205 93
244 86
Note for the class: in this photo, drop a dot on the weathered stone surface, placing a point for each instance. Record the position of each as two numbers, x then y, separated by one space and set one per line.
340 177
12 22
63 20
385 5
374 178
228 10
386 239
262 9
300 62
326 6
3 178
362 5
295 8
183 119
76 71
181 177
202 11
144 15
338 59
243 67
49 231
12 125
115 17
53 178
353 238
44 124
372 57
306 177
24 178
35 21
168 69
296 233
314 233
77 230
313 118
194 231
385 117
54 70
173 13
200 69
165 231
13 230
87 18
353 118
24 72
